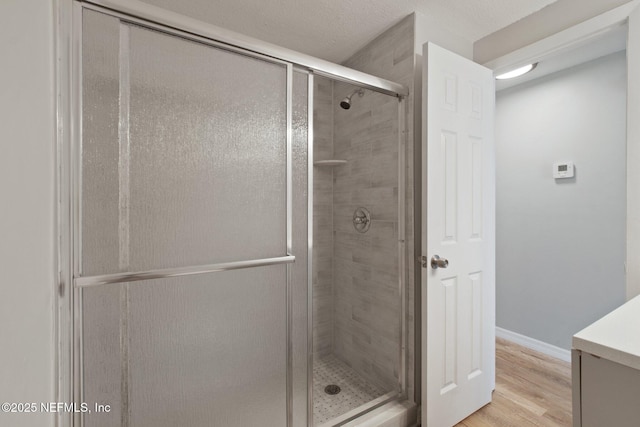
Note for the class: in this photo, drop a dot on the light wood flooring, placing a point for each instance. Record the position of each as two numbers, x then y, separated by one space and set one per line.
532 389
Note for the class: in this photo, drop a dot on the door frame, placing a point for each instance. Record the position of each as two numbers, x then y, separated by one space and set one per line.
629 15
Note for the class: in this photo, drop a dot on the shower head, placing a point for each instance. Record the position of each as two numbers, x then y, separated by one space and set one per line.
346 102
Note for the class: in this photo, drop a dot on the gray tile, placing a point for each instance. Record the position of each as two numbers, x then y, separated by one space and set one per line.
364 306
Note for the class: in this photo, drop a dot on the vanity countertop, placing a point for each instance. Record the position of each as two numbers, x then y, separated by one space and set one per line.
615 337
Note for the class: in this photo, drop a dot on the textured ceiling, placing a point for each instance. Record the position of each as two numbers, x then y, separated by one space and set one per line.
335 29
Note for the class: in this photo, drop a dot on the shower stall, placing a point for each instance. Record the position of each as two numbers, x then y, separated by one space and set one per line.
235 233
357 282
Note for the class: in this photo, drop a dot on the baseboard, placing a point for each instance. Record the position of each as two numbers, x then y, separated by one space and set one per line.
534 344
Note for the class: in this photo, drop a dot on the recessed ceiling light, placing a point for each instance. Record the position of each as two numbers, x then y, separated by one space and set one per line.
517 72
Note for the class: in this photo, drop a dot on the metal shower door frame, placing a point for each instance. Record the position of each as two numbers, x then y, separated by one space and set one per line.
80 281
68 47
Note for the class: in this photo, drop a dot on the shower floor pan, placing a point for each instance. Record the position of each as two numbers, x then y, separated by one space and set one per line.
355 391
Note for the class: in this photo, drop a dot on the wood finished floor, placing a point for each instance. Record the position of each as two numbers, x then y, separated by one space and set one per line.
532 389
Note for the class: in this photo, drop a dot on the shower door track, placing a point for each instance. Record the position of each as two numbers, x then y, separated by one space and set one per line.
167 19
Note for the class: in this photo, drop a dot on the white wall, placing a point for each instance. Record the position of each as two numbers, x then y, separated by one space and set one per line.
27 186
561 244
429 29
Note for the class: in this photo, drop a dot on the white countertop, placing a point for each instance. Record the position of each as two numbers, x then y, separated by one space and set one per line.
615 337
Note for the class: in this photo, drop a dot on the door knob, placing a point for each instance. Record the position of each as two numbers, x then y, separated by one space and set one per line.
437 262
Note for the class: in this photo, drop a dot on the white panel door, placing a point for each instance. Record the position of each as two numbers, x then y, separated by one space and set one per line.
458 301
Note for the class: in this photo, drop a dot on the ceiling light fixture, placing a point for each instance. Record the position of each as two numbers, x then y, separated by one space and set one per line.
517 72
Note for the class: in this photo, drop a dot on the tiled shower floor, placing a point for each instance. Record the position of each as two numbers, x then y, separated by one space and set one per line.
355 391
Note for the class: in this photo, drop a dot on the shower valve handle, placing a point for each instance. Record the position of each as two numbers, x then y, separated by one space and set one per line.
361 220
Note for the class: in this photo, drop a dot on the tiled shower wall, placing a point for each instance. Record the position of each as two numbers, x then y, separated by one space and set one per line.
366 265
366 299
355 276
322 219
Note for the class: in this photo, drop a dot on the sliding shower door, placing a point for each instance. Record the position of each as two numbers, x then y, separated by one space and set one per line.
191 231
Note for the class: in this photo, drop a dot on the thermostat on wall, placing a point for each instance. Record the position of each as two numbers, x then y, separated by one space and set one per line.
563 170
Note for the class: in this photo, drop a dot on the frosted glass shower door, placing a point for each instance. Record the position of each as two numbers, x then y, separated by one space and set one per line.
184 166
183 152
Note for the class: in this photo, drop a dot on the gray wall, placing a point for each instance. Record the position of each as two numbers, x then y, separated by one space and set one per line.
561 244
27 215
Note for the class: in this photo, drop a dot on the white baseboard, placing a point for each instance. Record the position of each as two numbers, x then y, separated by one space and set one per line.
534 344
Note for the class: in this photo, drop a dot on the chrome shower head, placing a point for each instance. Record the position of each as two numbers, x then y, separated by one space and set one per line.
346 102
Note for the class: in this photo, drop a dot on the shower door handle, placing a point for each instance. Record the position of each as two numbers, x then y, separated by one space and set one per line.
437 262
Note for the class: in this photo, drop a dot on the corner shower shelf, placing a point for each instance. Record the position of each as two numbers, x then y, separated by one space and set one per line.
329 162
